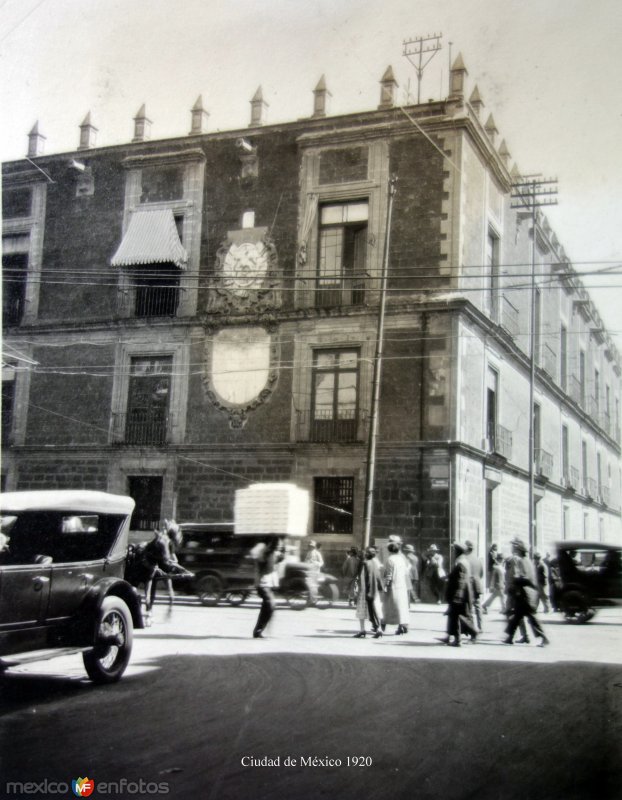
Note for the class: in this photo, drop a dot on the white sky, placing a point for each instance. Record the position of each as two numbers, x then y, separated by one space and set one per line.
550 71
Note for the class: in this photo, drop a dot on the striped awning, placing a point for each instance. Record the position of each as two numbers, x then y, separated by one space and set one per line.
151 238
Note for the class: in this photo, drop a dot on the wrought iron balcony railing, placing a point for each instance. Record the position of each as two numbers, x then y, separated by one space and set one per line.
509 317
570 479
590 488
500 441
323 427
544 463
346 291
148 301
141 426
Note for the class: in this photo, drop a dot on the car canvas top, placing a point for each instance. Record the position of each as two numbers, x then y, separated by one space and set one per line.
66 500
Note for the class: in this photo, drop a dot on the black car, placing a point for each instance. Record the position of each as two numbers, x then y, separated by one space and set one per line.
590 576
62 560
224 569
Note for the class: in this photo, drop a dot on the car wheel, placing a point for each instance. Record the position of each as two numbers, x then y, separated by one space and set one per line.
112 647
575 606
209 589
297 595
236 598
328 594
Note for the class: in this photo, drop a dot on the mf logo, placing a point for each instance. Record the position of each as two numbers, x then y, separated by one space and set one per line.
83 787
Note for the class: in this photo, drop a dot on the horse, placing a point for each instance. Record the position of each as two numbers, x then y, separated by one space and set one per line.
148 561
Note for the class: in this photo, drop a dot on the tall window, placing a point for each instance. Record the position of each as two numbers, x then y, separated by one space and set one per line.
492 386
492 263
596 409
14 274
584 465
333 505
334 396
8 397
537 327
148 400
563 357
582 377
146 491
565 460
342 257
537 437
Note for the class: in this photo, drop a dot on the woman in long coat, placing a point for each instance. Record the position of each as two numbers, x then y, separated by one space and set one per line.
397 589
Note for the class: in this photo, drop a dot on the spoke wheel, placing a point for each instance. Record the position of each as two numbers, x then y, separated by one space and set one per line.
112 647
209 590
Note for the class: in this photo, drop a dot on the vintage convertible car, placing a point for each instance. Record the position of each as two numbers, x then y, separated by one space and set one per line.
62 559
590 576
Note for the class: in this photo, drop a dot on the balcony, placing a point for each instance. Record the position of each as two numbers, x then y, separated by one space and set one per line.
605 495
325 428
549 361
141 426
575 390
500 441
149 300
509 317
349 291
590 488
543 463
570 479
593 409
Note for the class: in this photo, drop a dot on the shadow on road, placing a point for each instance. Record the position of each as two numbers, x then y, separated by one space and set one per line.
426 729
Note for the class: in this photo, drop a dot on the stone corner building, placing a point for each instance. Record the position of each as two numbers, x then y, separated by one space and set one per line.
183 317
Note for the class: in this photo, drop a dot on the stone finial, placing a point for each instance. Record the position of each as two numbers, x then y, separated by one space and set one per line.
491 128
36 141
142 125
515 172
457 75
321 97
88 133
199 117
504 153
388 85
258 108
475 101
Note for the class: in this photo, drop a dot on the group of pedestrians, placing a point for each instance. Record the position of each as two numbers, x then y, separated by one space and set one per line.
382 593
514 581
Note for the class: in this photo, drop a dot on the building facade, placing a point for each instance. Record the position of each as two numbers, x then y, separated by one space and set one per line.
184 317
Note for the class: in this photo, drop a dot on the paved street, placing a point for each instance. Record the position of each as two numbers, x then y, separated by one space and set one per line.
201 699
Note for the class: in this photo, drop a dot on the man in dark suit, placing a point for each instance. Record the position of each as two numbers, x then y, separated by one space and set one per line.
523 591
477 581
459 598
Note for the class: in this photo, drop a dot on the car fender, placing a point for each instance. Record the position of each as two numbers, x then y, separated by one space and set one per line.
89 611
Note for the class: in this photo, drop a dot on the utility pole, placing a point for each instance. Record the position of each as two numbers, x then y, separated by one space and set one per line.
416 49
377 368
531 192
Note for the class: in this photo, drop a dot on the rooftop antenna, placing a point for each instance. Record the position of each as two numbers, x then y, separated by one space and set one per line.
420 51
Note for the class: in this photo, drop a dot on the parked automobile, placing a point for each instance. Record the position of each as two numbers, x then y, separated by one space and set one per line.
224 569
61 580
590 577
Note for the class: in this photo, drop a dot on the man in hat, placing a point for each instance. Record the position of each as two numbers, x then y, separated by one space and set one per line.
523 591
434 574
459 598
477 581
